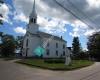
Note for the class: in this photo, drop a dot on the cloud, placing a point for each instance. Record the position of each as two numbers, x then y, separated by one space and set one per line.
81 8
52 25
46 22
20 30
48 8
4 11
74 34
20 17
42 8
94 3
79 29
89 32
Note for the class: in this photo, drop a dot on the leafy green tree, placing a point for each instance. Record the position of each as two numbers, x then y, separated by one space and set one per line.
76 47
7 45
93 45
19 43
83 55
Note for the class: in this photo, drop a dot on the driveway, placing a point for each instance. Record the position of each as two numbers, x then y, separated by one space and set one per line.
13 71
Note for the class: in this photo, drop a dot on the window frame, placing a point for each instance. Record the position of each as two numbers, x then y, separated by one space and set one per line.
48 52
56 52
63 53
56 45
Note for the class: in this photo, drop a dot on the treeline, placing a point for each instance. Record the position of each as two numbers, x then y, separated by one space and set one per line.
93 46
78 52
9 44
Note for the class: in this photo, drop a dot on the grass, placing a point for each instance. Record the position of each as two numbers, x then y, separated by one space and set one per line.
75 64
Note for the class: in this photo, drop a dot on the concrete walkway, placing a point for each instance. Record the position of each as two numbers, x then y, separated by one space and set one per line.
13 71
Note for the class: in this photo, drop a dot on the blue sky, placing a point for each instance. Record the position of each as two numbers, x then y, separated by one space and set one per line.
16 20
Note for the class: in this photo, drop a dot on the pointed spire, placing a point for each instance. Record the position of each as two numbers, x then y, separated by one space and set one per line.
33 13
33 10
34 5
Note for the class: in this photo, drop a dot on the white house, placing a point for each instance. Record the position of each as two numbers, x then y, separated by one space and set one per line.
55 47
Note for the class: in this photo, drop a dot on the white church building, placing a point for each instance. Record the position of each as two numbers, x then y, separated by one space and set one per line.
55 47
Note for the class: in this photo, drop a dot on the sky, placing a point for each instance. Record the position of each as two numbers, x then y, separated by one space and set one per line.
52 18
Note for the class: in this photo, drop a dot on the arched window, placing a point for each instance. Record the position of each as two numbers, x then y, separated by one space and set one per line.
63 46
48 52
48 44
31 20
56 53
34 20
56 45
27 43
63 53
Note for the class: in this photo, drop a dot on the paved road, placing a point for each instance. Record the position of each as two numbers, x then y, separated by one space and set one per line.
13 71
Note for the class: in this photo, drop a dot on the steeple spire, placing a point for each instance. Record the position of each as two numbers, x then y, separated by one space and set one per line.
34 5
33 15
34 10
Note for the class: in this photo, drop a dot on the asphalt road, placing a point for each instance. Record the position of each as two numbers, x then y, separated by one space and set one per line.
13 71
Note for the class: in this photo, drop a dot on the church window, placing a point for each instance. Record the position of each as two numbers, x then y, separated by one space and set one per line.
31 20
48 52
48 44
57 53
26 42
63 53
26 52
56 45
63 46
34 20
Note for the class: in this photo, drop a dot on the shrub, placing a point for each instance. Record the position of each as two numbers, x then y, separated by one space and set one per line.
54 60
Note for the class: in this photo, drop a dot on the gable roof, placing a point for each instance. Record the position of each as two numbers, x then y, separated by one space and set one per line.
46 35
43 34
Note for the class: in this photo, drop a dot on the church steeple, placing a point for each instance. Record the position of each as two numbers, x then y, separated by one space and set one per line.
33 15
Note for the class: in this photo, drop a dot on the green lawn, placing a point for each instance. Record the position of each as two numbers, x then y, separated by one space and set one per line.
55 66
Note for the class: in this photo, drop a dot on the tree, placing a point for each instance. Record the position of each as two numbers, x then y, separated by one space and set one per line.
76 47
93 45
19 43
7 45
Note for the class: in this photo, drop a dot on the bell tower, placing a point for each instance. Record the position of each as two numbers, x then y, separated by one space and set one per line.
33 15
33 26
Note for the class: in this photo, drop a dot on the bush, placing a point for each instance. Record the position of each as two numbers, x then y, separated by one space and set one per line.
54 60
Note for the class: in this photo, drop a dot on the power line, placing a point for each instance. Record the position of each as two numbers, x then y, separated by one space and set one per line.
81 12
73 14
